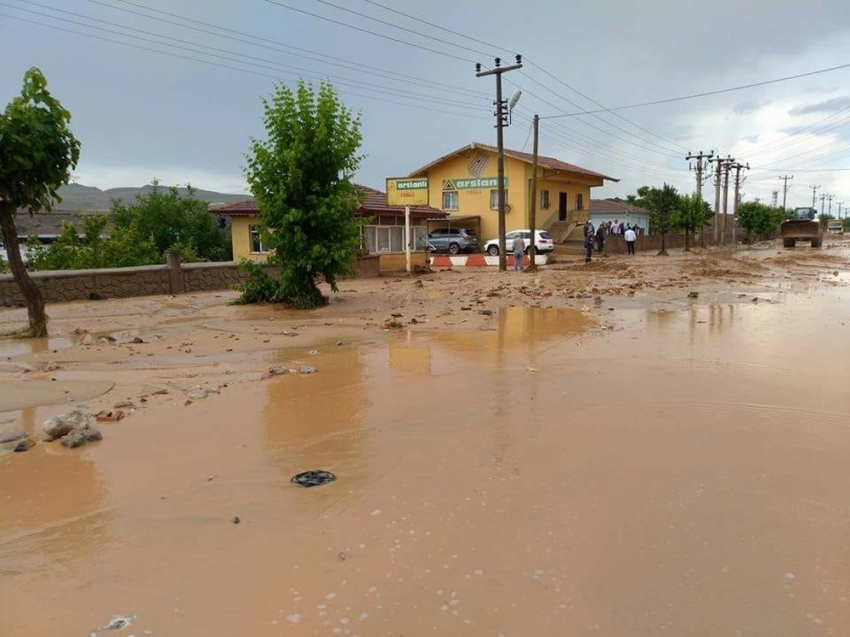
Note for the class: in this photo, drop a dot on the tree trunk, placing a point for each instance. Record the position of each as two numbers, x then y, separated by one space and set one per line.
663 251
687 241
32 295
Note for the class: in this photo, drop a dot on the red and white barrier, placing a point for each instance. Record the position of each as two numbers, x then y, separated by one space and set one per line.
480 260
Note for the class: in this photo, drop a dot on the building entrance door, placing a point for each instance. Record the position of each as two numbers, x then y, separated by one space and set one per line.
562 206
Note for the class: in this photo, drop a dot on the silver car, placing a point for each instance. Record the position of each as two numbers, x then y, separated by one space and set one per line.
452 240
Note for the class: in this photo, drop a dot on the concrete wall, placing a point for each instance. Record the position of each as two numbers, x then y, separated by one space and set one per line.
617 245
395 262
76 285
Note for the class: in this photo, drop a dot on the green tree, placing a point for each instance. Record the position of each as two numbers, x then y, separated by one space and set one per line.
664 203
759 220
691 215
824 217
37 153
300 177
171 221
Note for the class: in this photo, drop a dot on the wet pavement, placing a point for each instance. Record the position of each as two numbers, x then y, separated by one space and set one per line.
679 469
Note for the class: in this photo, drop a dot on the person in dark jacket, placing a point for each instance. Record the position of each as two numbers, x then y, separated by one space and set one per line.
600 238
588 247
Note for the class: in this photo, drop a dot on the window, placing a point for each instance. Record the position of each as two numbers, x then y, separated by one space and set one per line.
450 200
390 238
257 244
579 202
494 199
544 200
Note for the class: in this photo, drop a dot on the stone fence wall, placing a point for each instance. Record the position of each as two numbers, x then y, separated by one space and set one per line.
172 278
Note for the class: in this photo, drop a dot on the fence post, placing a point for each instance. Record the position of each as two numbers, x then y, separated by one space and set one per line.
175 272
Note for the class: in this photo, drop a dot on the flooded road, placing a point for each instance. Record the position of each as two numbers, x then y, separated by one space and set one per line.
678 470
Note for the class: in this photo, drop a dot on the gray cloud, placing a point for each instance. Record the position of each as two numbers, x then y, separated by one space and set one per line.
828 106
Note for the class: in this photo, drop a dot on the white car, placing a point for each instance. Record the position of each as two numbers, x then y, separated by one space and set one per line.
543 242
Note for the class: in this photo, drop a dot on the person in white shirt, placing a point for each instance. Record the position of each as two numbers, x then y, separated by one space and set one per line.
630 238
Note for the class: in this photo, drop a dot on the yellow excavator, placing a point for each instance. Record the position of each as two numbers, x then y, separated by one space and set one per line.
802 225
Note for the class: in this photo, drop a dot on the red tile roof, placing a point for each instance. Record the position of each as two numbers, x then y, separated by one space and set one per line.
615 205
544 162
374 203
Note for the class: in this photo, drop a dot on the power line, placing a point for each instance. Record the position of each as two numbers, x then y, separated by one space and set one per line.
92 36
704 94
608 110
605 132
217 53
660 149
375 33
401 28
434 25
277 46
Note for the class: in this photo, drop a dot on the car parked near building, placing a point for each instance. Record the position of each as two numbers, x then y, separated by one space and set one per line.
543 242
452 240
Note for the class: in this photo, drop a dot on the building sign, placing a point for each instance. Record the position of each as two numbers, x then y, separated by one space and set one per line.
407 192
476 183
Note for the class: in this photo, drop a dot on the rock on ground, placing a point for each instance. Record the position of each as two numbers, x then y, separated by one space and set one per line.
81 436
62 425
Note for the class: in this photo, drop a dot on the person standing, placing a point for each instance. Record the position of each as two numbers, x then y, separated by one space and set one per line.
518 250
630 237
600 238
588 246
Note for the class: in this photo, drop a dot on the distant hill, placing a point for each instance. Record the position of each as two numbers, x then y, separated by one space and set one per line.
78 200
78 197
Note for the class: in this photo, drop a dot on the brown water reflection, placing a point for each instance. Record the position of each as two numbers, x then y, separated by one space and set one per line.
664 479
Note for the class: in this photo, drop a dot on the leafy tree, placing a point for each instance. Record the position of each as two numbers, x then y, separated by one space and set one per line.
692 215
664 203
759 220
70 251
824 217
300 177
37 153
172 221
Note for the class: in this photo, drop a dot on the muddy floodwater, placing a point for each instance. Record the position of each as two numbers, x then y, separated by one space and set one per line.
675 468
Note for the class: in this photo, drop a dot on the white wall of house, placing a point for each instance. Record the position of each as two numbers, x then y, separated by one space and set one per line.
641 219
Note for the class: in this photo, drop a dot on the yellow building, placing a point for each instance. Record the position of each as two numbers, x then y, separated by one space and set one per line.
382 230
465 183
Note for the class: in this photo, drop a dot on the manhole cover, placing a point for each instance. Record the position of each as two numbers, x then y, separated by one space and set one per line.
313 478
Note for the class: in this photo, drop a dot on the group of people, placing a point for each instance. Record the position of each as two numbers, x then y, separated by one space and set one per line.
596 237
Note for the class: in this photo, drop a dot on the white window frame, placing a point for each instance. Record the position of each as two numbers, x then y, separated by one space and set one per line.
455 197
255 233
544 199
494 198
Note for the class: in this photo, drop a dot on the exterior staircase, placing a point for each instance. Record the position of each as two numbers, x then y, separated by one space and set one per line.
561 230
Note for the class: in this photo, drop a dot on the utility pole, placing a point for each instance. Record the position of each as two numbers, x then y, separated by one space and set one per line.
822 201
814 194
702 164
502 114
716 226
738 168
829 199
774 198
532 209
840 204
727 167
785 188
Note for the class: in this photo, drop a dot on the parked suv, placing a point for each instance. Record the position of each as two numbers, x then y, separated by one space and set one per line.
543 243
452 240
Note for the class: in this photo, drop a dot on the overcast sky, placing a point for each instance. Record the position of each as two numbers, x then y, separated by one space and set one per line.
143 110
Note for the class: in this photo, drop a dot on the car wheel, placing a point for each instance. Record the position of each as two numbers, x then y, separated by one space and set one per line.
493 251
454 248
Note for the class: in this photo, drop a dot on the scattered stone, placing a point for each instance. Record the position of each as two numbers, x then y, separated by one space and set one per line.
117 623
314 352
109 416
755 299
62 425
293 618
81 436
306 369
201 393
343 557
24 445
52 366
693 295
236 519
396 315
138 340
124 404
278 370
13 436
531 370
392 324
339 343
187 403
418 284
486 312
